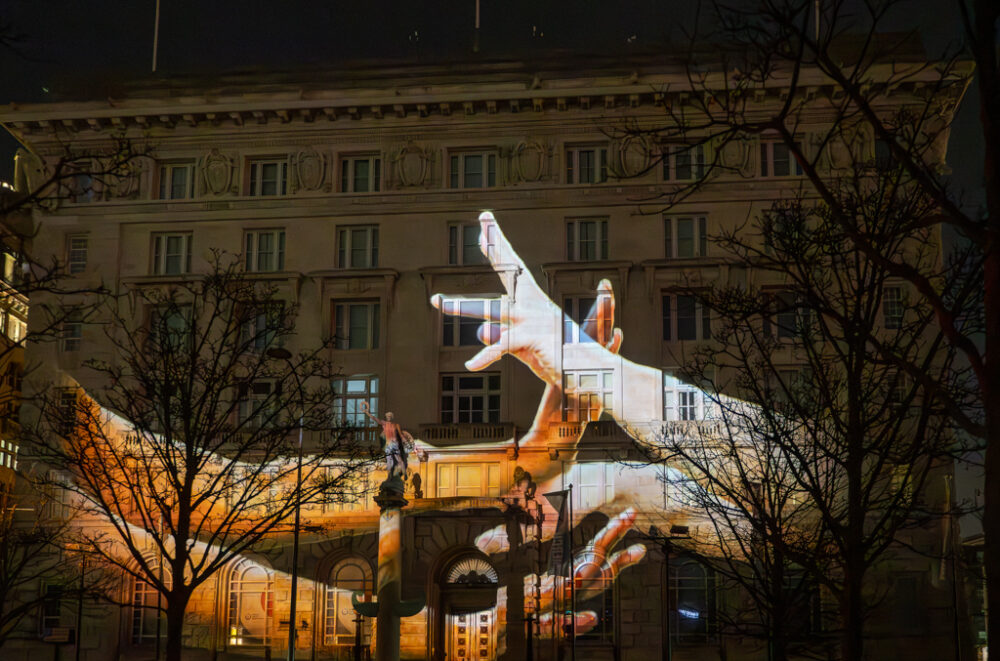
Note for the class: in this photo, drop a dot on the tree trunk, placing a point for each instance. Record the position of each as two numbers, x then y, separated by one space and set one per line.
176 607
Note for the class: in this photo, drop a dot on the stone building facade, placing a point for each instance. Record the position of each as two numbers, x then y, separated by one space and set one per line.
356 192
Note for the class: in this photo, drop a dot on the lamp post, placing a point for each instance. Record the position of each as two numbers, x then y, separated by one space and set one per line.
666 542
281 353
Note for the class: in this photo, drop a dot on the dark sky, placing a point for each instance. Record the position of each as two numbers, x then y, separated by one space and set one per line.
91 43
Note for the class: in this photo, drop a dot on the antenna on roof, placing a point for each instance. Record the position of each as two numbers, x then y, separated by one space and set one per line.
156 34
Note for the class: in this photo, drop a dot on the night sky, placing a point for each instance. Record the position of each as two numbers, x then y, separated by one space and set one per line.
67 45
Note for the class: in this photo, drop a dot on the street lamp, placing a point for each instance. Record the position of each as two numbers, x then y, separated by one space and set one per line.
666 542
281 353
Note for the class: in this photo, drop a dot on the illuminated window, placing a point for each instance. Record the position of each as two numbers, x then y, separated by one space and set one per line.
586 239
340 626
681 401
593 485
693 616
776 160
171 253
473 170
586 165
684 237
462 318
892 307
468 480
684 163
176 181
356 325
350 392
586 394
463 245
685 318
264 250
360 174
145 621
469 398
580 312
596 593
268 177
71 334
251 605
357 247
76 253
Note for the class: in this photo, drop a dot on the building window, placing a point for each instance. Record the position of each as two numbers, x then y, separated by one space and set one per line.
593 485
580 312
256 404
467 398
462 319
788 319
468 480
350 392
81 188
170 328
262 326
586 394
176 181
76 253
251 606
268 177
473 170
776 160
356 325
684 163
347 577
71 334
171 253
66 413
145 616
892 308
600 584
586 239
681 401
586 165
265 250
684 237
357 247
52 607
361 174
694 609
463 245
685 318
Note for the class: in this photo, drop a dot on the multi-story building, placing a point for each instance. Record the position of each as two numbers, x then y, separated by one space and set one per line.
357 192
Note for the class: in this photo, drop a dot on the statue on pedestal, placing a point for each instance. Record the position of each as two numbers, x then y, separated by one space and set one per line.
397 445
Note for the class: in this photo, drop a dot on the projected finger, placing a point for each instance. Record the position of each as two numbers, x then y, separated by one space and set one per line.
494 244
623 559
488 354
615 530
471 309
584 620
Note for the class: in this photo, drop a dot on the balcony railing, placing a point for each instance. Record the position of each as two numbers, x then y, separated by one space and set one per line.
461 433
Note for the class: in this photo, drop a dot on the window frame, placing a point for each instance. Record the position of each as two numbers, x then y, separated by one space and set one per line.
255 176
159 256
76 266
710 586
341 319
252 253
334 595
456 392
348 173
574 244
458 245
346 248
165 182
767 160
455 327
235 598
670 318
489 479
671 235
578 398
892 307
693 154
458 170
598 172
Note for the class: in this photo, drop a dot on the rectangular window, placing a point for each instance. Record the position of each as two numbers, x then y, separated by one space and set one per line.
468 480
356 325
684 237
685 318
351 391
361 174
357 247
268 177
176 181
67 412
473 170
788 319
693 616
586 239
463 245
776 160
462 318
52 608
684 163
593 485
81 188
264 250
586 394
71 334
76 253
892 307
256 404
583 312
586 165
262 327
170 327
171 253
468 398
681 401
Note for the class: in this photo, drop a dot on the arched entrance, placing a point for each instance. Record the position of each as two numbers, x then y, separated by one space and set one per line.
468 601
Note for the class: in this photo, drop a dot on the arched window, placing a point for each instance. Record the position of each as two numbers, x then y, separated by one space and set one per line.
251 605
595 591
340 625
145 612
693 612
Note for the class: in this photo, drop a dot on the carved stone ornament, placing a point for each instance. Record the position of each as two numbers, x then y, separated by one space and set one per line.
632 156
125 182
413 165
530 161
737 155
310 169
217 171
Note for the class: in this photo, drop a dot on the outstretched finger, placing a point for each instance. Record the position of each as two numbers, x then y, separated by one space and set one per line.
488 355
623 559
488 310
615 530
584 621
494 244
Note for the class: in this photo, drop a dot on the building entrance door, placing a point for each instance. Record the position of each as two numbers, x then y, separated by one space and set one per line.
472 636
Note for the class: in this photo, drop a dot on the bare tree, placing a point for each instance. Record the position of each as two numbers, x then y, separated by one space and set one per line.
195 453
